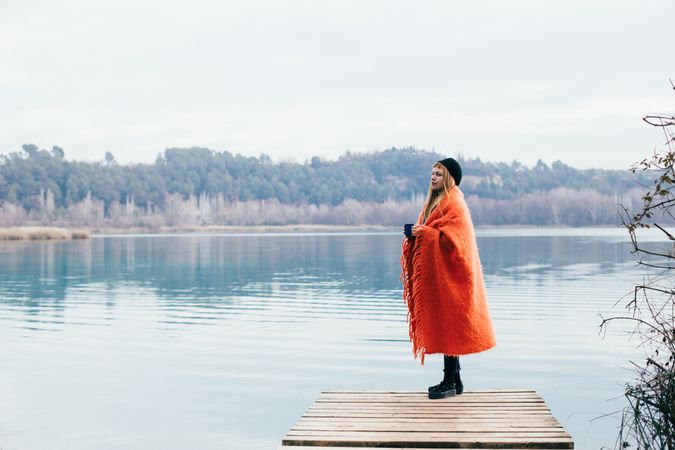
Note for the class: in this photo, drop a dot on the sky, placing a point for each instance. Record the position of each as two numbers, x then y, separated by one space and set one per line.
499 80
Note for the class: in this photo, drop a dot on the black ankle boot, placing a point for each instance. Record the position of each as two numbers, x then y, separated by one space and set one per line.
446 388
441 390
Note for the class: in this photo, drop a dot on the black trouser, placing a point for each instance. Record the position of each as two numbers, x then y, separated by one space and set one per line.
450 368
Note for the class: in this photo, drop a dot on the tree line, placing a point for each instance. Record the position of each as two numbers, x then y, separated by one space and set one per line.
195 186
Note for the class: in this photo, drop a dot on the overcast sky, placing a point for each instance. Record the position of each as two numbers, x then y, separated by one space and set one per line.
499 80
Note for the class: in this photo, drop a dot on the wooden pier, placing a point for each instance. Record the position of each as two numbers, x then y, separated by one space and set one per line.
514 419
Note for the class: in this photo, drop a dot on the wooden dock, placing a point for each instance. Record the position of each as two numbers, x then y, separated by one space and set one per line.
514 419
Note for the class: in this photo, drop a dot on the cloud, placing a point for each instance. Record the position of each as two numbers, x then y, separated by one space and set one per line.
561 80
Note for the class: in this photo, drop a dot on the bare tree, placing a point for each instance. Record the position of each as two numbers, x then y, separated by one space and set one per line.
11 215
649 420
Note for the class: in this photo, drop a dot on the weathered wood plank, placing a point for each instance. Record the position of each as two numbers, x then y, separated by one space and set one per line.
431 417
427 426
543 421
472 392
426 403
422 397
472 442
504 392
412 401
428 436
443 415
313 447
433 428
439 408
458 425
436 406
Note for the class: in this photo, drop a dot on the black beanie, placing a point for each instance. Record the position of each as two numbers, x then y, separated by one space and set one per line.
454 169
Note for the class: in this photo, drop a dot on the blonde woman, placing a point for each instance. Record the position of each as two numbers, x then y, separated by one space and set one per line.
443 280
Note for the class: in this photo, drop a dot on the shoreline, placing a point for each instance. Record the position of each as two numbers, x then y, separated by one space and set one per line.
234 229
20 233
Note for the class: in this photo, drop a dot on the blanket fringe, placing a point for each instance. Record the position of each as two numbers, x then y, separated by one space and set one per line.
410 271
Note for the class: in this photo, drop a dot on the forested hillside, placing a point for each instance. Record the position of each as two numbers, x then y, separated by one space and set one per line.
41 184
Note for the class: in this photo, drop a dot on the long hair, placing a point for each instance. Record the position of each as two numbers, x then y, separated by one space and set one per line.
435 197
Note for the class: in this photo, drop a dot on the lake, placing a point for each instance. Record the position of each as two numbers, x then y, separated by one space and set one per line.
222 341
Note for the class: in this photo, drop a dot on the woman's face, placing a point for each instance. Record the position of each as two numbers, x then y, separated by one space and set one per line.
437 174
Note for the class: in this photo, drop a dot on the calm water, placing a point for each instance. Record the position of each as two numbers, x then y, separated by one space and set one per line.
222 341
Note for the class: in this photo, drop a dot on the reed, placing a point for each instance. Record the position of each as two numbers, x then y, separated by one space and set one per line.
80 234
46 233
41 233
12 234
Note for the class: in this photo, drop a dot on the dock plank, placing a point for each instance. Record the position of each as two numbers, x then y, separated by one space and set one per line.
313 447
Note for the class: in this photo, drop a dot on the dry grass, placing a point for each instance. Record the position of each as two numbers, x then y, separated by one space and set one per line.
80 234
12 234
47 233
40 233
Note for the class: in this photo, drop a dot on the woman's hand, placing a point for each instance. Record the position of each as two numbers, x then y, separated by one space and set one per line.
419 229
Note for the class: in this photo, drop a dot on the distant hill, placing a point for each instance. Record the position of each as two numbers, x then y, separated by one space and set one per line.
33 177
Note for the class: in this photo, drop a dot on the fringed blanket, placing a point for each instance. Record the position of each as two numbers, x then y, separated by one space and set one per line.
443 284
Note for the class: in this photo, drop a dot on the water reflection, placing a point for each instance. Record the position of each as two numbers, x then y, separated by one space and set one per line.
215 269
213 335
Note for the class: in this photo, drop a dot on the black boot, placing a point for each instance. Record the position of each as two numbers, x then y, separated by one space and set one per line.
446 388
459 386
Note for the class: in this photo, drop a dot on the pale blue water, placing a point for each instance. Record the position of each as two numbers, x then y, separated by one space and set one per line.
222 341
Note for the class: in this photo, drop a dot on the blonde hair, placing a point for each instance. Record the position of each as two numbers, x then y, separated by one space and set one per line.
435 197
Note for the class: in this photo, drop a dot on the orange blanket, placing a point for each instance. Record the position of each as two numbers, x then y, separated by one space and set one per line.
443 284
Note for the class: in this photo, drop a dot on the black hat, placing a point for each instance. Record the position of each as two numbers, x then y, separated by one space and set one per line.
454 169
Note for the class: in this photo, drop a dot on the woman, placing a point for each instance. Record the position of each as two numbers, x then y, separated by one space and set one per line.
443 281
